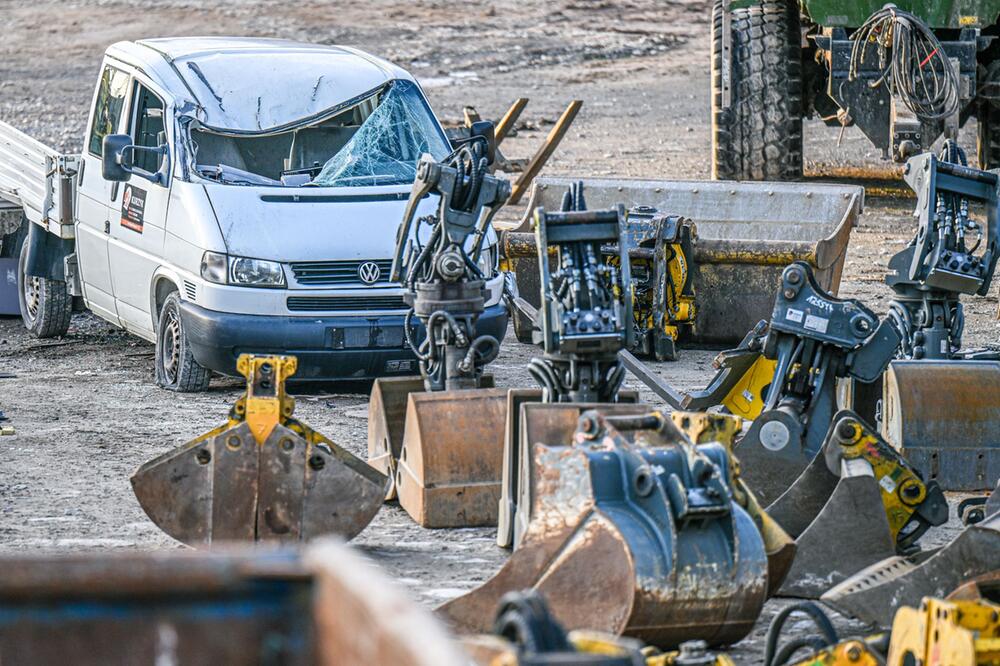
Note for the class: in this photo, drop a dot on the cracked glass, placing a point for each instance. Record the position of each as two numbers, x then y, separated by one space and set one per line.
387 145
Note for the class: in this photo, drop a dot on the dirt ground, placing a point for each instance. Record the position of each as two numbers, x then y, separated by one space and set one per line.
86 408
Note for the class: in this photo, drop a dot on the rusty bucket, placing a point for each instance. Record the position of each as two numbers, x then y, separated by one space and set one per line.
944 416
450 460
623 538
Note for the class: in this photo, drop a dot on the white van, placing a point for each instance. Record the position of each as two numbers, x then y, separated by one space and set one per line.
233 195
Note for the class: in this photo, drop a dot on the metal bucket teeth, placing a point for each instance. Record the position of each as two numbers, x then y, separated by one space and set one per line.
607 550
450 462
873 594
261 477
226 487
944 416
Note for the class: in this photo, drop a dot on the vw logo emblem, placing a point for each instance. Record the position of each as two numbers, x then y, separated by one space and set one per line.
369 272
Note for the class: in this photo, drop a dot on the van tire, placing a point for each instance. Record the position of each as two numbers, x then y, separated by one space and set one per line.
46 305
176 367
759 135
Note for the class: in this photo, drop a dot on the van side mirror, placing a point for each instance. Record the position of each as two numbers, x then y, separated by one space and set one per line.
486 130
114 166
118 157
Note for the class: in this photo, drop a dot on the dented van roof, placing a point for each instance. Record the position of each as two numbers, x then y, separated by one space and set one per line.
253 85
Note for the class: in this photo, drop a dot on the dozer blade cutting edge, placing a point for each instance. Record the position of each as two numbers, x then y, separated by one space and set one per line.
873 507
642 539
263 476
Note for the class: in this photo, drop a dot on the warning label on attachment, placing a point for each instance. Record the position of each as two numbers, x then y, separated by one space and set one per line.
133 208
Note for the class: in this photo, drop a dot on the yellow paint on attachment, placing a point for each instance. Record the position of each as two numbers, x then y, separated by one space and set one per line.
966 21
746 398
265 403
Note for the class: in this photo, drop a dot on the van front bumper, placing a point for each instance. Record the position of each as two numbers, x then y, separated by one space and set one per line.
341 347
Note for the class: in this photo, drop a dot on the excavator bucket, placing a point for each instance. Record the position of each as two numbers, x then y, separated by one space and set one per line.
944 416
641 539
875 507
873 594
715 427
451 458
746 233
323 606
263 476
529 420
386 420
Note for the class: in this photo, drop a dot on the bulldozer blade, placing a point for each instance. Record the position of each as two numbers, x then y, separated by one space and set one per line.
944 417
386 420
849 533
608 563
529 421
746 234
450 462
873 594
226 487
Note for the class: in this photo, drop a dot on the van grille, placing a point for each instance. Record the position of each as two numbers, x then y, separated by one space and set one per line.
325 273
343 303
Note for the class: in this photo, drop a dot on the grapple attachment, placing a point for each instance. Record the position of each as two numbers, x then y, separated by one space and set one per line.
642 539
874 593
876 505
263 476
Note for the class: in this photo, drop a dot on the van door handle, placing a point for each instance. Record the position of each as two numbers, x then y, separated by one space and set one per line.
83 166
114 191
107 226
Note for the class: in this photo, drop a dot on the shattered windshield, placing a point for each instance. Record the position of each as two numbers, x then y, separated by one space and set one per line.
376 139
386 147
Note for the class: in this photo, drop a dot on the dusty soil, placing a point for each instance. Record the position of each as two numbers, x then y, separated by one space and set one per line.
85 407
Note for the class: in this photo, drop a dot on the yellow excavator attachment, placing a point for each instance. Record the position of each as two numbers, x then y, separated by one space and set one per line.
263 475
745 235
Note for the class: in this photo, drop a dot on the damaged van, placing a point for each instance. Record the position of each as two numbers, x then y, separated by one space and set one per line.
232 196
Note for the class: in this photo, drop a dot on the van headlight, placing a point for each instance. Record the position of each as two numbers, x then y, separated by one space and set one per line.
241 271
488 262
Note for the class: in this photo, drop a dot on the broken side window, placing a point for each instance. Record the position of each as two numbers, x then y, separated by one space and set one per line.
386 147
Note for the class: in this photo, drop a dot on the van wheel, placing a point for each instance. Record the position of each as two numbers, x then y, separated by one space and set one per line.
176 368
46 305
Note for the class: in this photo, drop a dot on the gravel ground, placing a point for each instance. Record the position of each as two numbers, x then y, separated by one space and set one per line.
86 408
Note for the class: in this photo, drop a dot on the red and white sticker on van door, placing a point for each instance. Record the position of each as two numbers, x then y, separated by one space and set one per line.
133 208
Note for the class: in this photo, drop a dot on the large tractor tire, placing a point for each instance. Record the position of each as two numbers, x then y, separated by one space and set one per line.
758 135
988 119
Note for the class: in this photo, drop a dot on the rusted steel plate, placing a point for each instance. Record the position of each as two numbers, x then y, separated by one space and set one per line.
386 421
873 594
798 506
609 551
228 488
944 416
451 460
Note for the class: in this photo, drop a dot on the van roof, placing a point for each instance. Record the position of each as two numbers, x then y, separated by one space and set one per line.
254 85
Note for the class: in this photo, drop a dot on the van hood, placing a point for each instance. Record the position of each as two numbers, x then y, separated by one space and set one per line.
311 224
